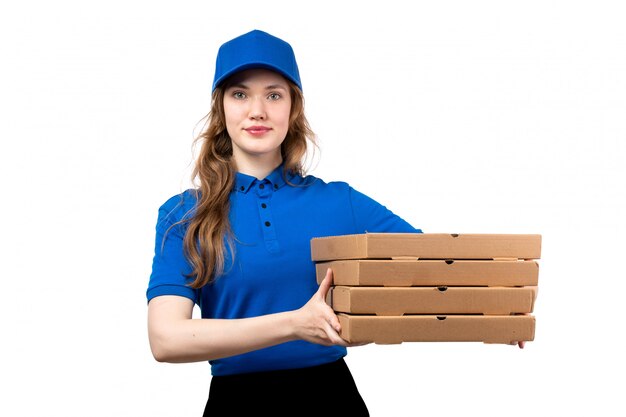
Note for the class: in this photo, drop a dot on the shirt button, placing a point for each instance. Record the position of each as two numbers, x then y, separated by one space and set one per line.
263 205
261 186
276 186
241 188
267 224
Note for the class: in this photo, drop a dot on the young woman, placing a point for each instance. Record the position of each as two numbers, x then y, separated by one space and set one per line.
239 247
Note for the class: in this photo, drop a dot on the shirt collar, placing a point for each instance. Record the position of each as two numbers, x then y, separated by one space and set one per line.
243 182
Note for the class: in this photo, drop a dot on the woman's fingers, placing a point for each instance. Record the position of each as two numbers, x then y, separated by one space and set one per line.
323 292
316 321
333 336
322 322
359 344
326 284
334 322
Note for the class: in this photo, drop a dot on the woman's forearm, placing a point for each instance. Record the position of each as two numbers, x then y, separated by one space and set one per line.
193 340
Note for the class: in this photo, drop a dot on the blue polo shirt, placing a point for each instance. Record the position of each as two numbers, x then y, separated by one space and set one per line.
274 223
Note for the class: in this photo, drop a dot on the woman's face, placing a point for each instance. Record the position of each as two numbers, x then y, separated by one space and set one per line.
257 106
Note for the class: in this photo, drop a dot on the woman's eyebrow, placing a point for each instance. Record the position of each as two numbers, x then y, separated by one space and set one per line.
268 87
275 87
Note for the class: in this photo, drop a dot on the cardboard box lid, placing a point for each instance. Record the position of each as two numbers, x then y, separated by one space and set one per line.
433 328
432 300
426 246
403 273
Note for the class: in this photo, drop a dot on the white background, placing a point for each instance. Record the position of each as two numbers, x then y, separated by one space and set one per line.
460 116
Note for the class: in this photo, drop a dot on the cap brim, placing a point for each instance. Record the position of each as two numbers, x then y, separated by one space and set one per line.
252 65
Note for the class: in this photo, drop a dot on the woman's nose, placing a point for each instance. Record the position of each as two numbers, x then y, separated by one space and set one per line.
257 109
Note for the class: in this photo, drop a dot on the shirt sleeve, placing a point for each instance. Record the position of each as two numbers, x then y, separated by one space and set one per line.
169 264
371 216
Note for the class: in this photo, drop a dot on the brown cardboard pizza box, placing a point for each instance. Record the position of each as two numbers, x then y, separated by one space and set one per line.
403 272
432 300
426 246
436 328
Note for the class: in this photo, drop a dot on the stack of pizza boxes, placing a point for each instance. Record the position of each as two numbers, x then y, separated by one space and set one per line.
419 287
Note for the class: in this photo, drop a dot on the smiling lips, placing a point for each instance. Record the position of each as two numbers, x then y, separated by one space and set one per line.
257 130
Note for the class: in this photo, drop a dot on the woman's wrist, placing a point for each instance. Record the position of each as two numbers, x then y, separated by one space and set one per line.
292 324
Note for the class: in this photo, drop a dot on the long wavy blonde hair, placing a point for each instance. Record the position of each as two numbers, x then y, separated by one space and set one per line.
208 229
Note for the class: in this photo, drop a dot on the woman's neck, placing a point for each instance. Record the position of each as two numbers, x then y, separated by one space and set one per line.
258 167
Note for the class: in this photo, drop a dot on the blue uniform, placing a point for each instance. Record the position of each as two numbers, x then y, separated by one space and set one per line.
273 223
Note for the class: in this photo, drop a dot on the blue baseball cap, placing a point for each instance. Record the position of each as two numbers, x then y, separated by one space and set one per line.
256 49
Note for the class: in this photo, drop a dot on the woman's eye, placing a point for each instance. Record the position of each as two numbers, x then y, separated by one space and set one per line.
274 96
239 95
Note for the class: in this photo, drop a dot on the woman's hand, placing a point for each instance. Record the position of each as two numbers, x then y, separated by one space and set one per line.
519 343
316 321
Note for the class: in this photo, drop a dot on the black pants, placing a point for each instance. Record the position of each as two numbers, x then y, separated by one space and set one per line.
327 389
